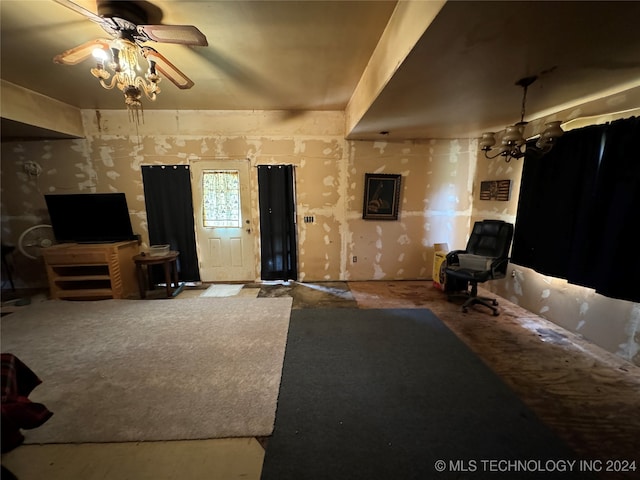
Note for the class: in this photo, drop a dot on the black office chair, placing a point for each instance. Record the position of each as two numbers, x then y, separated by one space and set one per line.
485 258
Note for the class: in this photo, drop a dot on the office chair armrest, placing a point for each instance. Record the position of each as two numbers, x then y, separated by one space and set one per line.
452 257
497 264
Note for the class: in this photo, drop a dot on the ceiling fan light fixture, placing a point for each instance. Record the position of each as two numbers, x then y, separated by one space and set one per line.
513 143
118 61
125 67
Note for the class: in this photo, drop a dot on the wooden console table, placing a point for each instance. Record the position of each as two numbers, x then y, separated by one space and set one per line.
91 271
168 262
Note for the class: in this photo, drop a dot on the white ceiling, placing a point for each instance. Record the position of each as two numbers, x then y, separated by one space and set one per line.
309 55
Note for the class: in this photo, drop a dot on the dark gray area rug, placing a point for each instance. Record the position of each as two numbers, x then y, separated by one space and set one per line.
394 394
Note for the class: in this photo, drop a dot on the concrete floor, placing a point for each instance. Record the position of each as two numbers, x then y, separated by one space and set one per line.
589 397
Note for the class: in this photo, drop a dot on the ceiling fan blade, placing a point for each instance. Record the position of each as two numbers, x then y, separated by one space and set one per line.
83 11
183 34
166 68
80 53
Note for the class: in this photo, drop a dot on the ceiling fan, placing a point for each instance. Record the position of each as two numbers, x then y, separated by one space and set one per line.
117 58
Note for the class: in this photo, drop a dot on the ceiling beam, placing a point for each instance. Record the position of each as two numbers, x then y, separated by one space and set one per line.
31 108
407 24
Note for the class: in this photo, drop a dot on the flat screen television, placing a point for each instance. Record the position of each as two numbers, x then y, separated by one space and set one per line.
90 217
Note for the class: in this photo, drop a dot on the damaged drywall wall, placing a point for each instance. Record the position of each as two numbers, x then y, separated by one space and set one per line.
329 181
434 206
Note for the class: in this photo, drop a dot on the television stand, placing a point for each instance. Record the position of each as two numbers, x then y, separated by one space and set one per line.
98 242
92 271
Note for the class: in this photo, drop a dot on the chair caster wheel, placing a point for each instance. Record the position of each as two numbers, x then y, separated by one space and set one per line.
495 302
495 314
464 310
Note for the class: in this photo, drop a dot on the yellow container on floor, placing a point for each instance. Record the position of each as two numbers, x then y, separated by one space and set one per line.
439 264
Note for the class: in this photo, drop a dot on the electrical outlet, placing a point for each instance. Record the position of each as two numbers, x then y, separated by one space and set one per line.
355 259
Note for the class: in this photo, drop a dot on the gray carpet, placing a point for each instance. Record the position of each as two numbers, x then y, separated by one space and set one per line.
140 370
385 394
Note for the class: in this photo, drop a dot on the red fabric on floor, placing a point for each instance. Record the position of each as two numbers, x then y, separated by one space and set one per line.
18 412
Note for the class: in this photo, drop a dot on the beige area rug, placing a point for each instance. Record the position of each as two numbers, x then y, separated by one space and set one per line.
137 370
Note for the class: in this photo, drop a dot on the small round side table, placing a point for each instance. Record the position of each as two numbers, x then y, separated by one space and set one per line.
168 262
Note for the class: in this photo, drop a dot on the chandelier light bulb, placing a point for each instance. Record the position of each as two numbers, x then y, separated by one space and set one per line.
99 54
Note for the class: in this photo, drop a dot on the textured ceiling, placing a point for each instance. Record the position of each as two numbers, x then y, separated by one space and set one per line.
309 55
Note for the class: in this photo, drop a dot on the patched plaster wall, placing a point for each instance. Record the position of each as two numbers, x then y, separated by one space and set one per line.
435 198
435 204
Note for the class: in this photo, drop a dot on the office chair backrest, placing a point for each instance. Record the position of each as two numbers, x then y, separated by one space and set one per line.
491 238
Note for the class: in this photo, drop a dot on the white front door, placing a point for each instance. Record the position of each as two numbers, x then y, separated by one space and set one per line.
222 211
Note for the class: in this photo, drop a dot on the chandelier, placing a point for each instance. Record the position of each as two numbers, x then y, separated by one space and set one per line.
118 66
513 143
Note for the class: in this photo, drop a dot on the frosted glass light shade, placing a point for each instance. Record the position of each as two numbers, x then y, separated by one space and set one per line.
513 136
487 141
553 130
551 133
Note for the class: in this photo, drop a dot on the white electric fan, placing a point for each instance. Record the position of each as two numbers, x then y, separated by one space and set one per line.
34 239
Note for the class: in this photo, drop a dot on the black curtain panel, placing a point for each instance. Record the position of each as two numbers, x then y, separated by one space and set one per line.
554 189
578 210
615 215
278 240
167 194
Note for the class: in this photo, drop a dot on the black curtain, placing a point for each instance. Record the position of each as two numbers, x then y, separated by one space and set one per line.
278 240
615 217
554 188
167 195
578 207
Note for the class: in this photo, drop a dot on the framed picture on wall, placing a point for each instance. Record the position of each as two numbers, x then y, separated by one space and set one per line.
495 190
381 196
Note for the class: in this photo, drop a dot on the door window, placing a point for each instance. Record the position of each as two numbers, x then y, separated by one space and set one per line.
221 198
